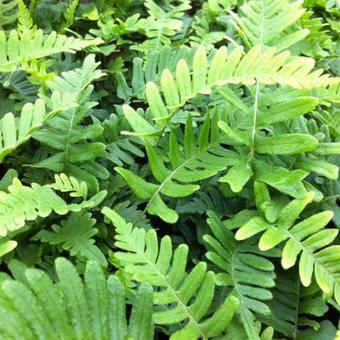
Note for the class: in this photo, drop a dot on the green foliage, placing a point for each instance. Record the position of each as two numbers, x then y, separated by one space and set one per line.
190 294
178 160
92 308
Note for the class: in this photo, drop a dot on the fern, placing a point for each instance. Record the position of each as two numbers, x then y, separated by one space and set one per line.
75 234
197 163
14 132
8 13
244 269
67 137
183 297
254 67
64 183
293 307
263 22
25 203
93 308
161 25
31 45
308 238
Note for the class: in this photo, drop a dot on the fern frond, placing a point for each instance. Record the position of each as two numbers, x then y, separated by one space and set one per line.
264 22
245 269
197 163
14 132
150 69
25 203
293 307
254 67
161 25
308 238
93 308
31 45
75 154
75 234
178 296
64 183
8 12
25 21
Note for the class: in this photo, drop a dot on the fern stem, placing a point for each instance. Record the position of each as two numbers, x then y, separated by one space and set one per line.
253 132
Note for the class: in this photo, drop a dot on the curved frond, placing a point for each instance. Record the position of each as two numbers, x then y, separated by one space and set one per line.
308 238
196 163
179 297
31 45
229 68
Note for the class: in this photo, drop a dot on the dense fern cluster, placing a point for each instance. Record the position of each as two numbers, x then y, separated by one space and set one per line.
169 169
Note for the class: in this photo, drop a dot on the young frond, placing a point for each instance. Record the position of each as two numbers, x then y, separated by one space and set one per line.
32 45
245 269
308 238
196 163
26 203
64 183
72 308
180 298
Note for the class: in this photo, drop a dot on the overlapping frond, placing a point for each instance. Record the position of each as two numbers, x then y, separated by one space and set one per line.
92 308
262 22
14 132
26 203
75 152
31 45
8 12
245 269
227 67
75 235
180 298
294 307
198 162
308 238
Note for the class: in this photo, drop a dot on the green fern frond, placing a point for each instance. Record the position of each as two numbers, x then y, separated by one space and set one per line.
262 22
14 132
183 297
22 203
161 25
308 238
198 162
64 183
8 12
294 307
26 203
75 154
150 69
31 45
25 21
245 269
93 308
254 67
75 234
